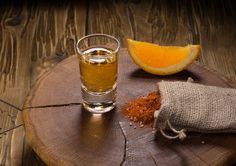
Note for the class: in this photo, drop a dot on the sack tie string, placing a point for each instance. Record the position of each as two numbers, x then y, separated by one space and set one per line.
181 134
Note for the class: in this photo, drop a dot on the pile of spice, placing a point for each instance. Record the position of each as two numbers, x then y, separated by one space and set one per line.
142 109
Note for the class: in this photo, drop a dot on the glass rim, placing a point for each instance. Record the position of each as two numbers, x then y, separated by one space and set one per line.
98 34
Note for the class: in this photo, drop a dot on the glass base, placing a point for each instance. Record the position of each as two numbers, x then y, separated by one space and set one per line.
99 108
99 102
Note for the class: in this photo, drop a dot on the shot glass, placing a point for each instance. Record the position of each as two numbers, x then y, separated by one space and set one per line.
98 64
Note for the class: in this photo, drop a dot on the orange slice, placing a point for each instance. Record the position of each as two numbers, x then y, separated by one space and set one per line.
162 60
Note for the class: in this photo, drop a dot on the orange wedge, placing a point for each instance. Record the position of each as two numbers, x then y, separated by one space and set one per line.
162 60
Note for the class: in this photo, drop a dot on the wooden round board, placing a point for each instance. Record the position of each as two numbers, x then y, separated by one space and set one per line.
62 133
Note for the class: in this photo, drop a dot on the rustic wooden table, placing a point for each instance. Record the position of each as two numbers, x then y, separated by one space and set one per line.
35 36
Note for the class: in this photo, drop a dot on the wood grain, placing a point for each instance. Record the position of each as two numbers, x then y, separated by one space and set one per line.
182 22
86 139
36 35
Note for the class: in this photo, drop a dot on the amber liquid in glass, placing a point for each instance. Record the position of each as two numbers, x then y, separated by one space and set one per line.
98 69
98 72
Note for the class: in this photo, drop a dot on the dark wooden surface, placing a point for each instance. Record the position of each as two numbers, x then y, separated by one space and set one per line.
86 139
36 35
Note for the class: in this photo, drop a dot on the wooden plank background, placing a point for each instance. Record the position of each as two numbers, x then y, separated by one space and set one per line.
34 36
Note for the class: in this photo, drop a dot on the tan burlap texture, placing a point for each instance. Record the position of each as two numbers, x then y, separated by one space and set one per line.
195 107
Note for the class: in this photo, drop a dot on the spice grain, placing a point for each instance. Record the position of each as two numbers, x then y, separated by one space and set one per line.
142 108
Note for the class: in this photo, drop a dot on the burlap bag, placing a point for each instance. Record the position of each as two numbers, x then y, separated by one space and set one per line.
193 107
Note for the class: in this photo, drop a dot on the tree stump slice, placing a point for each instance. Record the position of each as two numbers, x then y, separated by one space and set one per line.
62 133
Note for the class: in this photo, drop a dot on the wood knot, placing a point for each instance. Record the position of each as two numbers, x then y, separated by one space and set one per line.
13 21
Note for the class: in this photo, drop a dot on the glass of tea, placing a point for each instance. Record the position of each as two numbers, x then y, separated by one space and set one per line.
98 64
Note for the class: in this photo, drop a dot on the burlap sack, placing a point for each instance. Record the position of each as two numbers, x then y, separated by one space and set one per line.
193 107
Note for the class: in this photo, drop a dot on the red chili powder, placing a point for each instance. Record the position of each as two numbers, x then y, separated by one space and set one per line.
142 108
